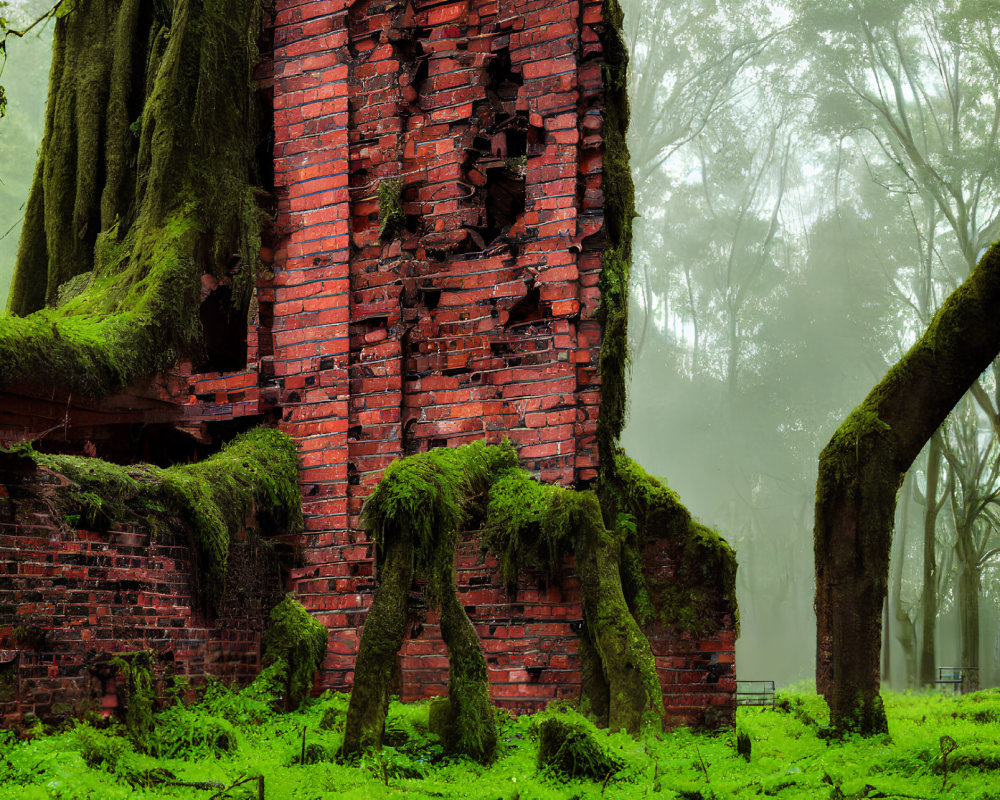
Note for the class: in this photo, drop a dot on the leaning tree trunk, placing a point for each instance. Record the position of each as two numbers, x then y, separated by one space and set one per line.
860 472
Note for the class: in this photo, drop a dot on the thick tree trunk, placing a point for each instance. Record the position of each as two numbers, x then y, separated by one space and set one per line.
860 472
929 602
626 660
381 639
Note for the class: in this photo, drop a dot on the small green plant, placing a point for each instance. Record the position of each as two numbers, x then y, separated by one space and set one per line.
390 208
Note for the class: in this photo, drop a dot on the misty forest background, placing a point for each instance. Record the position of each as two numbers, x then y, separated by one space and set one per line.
812 179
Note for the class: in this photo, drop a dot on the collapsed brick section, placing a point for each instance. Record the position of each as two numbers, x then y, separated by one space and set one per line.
470 316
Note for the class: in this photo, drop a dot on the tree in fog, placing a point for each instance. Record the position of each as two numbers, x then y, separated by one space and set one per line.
972 453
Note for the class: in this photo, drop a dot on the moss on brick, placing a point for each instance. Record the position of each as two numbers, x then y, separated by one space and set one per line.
143 184
256 475
636 506
390 208
619 210
299 642
136 681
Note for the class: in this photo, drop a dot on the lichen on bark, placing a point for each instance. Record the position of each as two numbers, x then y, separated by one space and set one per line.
145 182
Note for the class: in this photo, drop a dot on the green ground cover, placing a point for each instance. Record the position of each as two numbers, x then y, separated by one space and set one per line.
232 735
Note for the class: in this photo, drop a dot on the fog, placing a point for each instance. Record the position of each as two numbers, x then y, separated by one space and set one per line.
812 179
24 79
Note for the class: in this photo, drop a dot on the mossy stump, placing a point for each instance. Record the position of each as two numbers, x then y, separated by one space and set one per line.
569 747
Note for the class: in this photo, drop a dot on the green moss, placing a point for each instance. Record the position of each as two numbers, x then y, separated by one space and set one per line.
256 475
136 683
525 526
141 217
703 587
390 209
300 642
414 516
619 210
426 498
568 744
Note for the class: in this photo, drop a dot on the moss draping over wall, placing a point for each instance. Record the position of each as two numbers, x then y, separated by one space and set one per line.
531 524
255 476
299 642
703 586
145 182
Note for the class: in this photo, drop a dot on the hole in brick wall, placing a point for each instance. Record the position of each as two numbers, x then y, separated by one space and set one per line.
353 476
503 79
527 308
451 373
409 444
430 298
293 397
264 151
355 432
534 673
412 223
505 201
225 330
163 445
432 443
423 67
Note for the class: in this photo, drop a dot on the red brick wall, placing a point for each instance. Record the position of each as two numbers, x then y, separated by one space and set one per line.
454 330
83 596
475 321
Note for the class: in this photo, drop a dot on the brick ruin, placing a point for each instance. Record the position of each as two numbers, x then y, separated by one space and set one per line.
472 129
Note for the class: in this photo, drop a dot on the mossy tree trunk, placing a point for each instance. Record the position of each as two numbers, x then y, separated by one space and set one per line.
628 667
381 639
471 729
145 182
860 472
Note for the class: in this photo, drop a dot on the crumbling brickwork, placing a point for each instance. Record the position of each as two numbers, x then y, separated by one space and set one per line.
436 253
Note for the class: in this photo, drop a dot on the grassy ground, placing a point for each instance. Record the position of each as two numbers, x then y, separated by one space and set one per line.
230 736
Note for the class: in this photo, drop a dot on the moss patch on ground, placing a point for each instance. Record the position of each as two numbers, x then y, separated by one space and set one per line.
232 735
